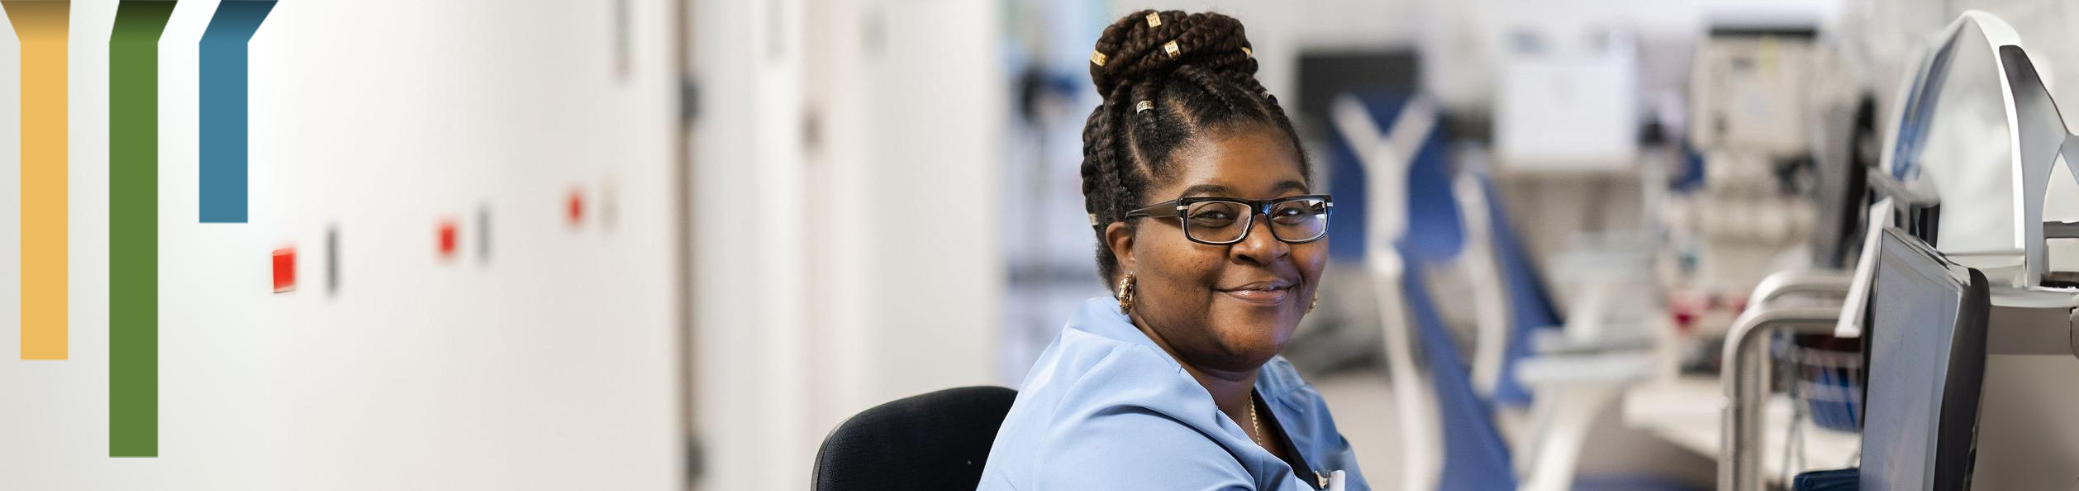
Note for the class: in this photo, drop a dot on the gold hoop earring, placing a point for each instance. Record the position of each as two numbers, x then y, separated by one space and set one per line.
1125 293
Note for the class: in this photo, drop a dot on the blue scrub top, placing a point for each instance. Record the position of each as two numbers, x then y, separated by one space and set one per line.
1106 408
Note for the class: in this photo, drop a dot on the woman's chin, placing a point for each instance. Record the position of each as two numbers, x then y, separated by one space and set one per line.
1253 342
1252 316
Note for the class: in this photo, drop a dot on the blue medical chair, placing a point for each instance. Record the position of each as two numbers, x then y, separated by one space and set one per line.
1475 456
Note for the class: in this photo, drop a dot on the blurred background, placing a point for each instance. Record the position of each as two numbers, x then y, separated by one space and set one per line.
670 244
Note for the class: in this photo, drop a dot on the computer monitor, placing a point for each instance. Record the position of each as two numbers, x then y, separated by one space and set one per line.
1926 354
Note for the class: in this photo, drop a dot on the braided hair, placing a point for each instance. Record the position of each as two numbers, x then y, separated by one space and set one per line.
1166 78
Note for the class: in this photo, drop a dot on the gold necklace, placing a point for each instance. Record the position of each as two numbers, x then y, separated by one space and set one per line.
1255 426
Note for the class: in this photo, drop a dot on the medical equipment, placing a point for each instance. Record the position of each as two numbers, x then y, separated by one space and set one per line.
1568 101
1748 119
2025 439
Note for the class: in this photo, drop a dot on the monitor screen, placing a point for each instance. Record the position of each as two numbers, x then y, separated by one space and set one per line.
1926 358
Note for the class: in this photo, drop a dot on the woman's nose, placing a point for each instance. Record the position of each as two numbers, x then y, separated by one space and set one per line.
1261 245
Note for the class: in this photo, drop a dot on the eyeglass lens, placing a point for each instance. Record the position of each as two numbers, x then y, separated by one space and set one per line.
1228 221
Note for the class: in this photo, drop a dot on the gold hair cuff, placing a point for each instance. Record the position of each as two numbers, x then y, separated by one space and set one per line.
1154 19
1093 219
1143 106
1246 53
1097 58
1171 48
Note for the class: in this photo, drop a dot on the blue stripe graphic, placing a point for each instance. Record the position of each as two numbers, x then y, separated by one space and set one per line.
223 107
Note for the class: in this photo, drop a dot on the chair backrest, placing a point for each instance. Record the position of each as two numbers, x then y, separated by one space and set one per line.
1530 306
1475 455
934 441
1927 366
1433 229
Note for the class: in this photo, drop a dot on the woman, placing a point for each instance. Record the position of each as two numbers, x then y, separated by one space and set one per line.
1208 229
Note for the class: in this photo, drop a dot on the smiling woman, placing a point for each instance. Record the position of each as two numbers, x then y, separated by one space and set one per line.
1176 382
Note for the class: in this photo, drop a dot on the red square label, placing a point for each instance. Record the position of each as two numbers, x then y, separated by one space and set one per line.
447 239
576 207
284 269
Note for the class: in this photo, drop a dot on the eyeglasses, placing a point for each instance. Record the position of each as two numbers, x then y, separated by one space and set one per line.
1223 221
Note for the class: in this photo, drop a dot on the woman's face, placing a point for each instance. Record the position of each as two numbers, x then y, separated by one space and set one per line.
1228 307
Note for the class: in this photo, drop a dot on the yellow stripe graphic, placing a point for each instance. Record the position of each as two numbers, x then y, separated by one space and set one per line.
42 26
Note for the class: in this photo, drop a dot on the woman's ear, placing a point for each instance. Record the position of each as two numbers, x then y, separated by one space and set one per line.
1120 238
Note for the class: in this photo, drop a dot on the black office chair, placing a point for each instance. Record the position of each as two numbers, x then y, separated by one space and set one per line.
935 441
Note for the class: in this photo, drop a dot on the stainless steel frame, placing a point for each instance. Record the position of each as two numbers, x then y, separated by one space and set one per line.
1789 283
1745 376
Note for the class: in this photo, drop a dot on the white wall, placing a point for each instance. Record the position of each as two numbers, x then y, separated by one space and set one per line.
1280 31
867 135
750 394
549 364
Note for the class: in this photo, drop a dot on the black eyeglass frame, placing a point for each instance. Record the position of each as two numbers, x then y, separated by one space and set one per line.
1182 207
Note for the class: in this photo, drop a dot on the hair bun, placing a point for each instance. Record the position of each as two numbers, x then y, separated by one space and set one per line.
1149 44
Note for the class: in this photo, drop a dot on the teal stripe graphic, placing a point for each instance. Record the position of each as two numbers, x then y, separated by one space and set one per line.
223 106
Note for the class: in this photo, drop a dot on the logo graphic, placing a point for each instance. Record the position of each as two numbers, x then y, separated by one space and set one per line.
133 160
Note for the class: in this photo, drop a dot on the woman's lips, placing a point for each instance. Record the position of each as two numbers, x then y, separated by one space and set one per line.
1264 297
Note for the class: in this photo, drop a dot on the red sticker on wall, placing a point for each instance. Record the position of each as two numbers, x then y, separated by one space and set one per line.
447 239
576 206
284 269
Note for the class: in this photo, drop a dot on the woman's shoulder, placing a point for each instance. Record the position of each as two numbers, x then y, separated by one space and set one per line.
1101 412
1098 358
1085 371
1101 366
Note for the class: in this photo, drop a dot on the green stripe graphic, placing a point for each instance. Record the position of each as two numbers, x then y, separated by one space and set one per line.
133 228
